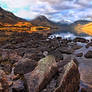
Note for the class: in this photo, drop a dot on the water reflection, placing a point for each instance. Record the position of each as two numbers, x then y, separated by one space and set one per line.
85 68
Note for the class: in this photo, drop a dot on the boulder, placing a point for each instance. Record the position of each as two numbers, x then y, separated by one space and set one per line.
69 79
89 45
88 54
65 50
76 47
41 75
82 40
25 65
79 54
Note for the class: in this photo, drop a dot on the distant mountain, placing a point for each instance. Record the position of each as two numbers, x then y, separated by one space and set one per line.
63 26
63 21
8 17
82 22
43 21
77 25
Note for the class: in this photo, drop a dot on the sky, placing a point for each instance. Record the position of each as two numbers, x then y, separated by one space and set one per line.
56 10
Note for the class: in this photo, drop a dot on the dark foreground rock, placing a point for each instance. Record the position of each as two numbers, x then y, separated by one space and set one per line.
25 65
88 54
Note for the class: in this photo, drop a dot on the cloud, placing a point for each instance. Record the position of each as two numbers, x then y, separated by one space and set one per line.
53 9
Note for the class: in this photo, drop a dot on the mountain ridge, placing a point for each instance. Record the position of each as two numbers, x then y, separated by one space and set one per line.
9 17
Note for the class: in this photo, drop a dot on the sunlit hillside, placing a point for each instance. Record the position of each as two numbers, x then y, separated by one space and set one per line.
22 27
87 28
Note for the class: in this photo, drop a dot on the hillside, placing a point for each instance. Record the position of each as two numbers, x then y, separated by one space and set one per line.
8 17
44 21
10 22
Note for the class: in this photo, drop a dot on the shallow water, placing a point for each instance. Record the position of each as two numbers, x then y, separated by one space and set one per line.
69 35
85 65
85 69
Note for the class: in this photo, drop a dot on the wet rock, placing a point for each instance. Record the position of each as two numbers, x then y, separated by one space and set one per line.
89 45
45 53
40 76
82 40
79 54
65 50
4 87
88 54
76 47
25 65
59 38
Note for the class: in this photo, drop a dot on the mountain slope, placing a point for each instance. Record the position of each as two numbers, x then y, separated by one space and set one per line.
82 22
43 21
8 17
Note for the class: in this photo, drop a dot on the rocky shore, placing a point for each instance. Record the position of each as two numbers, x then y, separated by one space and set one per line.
36 63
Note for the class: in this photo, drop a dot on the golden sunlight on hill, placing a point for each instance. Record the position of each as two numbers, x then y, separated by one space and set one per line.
87 28
22 27
23 24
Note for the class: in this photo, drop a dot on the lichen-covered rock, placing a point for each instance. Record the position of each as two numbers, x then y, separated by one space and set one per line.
40 76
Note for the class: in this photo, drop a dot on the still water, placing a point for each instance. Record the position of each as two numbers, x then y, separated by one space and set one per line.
85 65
